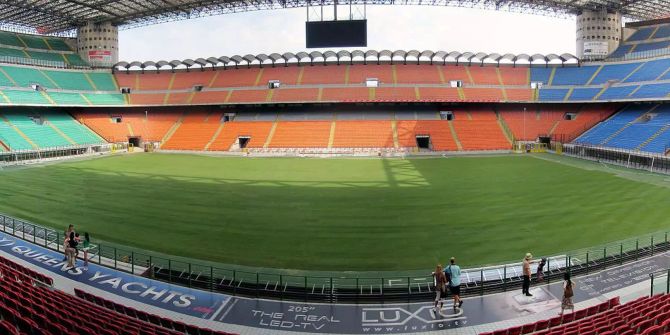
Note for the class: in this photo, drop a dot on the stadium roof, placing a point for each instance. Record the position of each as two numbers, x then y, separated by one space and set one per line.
59 16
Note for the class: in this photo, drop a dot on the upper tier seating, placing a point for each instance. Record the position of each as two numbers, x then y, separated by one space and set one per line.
574 75
648 39
583 94
27 308
614 72
33 49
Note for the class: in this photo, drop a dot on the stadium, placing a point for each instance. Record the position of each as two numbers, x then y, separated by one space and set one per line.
305 191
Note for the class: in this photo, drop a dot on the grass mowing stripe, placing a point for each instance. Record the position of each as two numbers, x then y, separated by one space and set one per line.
337 214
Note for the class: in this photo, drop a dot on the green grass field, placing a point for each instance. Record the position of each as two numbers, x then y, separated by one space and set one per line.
341 214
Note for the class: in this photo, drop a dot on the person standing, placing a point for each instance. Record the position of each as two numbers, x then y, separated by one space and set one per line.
440 286
525 289
568 293
66 236
455 282
540 270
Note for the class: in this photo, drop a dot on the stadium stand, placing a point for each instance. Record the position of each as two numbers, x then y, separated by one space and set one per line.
333 75
645 315
574 75
583 94
438 131
514 75
585 118
40 132
540 74
553 94
527 126
614 72
132 123
418 74
363 134
617 92
484 75
359 73
301 134
196 131
257 133
29 306
650 70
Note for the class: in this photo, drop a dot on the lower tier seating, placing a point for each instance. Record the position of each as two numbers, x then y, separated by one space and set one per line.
37 129
636 127
27 307
645 315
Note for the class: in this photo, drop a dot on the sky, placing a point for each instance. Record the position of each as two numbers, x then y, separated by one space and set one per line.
389 27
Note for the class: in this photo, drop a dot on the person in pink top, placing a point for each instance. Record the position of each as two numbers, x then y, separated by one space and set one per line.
525 289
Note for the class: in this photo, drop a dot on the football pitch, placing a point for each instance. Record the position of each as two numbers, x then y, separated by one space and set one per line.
341 214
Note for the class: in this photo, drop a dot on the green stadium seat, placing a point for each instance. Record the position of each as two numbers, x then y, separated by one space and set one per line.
105 98
69 80
8 52
43 135
25 76
26 97
35 42
7 38
11 138
103 81
58 44
75 60
47 56
68 99
73 129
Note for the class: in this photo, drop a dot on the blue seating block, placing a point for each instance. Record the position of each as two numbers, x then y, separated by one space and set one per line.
573 75
649 71
614 72
652 91
641 34
553 94
581 94
540 74
620 92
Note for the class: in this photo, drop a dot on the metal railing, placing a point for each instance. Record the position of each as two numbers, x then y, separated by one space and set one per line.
22 156
344 287
633 159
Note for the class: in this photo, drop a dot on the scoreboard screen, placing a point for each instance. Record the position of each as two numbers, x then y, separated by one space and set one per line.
333 34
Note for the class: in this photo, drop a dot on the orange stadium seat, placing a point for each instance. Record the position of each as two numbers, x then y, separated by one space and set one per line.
195 132
258 132
438 94
359 73
287 75
363 134
146 99
474 113
319 74
438 130
483 94
125 79
346 94
481 135
301 134
150 81
531 124
295 94
514 75
209 97
178 98
101 123
456 72
519 94
484 75
134 123
186 80
395 94
418 74
251 96
237 78
587 117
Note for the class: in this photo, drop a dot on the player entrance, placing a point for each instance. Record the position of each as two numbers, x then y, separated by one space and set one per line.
135 141
244 140
423 142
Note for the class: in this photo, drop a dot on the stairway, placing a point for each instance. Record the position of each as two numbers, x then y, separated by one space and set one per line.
659 132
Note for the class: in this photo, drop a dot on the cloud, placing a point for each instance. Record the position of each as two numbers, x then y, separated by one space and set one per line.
389 27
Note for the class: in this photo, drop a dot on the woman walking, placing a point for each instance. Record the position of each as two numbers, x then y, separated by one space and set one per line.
440 286
568 293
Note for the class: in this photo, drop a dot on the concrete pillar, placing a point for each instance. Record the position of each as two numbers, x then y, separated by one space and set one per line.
598 34
98 43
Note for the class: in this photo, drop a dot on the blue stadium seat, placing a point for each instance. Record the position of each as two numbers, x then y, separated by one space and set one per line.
663 31
553 94
573 75
619 92
581 94
621 51
652 91
614 72
598 134
633 136
651 46
540 74
641 34
659 144
650 70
